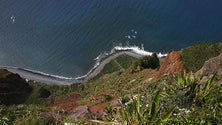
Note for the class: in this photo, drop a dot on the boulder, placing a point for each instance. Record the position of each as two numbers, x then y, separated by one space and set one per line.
115 103
171 64
81 112
211 66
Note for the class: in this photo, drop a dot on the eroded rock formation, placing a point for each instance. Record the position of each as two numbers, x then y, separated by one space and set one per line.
213 65
171 64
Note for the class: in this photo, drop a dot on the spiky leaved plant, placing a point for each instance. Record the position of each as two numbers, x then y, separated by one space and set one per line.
135 113
199 90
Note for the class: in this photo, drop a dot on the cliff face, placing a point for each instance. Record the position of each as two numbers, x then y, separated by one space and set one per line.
13 89
214 65
171 64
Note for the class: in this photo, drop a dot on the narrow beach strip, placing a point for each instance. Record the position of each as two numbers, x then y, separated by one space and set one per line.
59 80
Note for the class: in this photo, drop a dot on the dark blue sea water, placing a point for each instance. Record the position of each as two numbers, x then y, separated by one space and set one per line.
62 37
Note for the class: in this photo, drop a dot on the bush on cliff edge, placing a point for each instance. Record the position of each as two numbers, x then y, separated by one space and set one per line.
147 62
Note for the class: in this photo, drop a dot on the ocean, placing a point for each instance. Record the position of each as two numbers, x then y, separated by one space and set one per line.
63 37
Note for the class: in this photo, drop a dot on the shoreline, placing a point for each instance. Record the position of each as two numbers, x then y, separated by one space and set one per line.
59 80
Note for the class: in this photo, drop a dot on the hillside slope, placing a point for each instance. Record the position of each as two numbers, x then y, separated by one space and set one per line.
120 96
13 89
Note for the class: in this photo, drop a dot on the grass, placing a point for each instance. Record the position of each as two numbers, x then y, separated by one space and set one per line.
164 100
111 67
195 56
122 62
196 101
135 113
31 114
173 99
58 93
125 61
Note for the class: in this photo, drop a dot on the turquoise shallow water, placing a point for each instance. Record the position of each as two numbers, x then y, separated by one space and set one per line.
63 37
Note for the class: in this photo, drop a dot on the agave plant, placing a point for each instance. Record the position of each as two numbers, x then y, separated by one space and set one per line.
135 113
198 91
197 88
184 79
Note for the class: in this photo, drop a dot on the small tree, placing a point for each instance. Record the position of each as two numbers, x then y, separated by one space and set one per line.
44 93
147 62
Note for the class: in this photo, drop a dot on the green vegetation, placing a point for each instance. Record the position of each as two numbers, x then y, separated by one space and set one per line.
135 113
45 95
125 61
195 56
147 62
128 98
13 89
111 67
183 99
120 63
178 99
31 115
200 99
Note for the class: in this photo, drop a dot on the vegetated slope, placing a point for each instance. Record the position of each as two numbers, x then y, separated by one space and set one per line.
212 66
120 63
147 62
195 56
197 99
13 89
172 99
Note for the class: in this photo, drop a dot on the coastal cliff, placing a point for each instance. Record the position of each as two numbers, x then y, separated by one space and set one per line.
171 92
13 89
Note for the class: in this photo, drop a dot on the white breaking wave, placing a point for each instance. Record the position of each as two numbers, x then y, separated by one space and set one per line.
134 49
38 72
98 60
84 76
98 57
50 75
137 50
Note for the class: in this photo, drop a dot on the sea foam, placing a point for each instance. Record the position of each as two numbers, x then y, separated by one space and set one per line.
98 60
137 50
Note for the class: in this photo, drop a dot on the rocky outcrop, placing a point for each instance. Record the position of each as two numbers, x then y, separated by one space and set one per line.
171 64
213 65
81 112
13 89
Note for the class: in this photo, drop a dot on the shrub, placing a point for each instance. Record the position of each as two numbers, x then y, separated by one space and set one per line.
13 89
147 62
44 93
108 97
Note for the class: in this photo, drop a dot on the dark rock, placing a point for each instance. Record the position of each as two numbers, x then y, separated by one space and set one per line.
13 89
